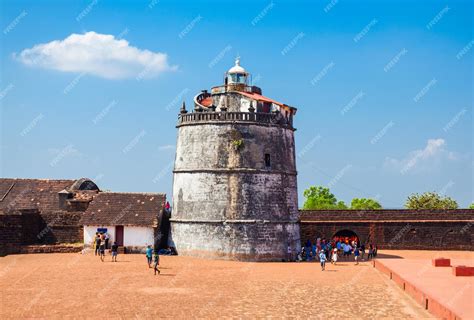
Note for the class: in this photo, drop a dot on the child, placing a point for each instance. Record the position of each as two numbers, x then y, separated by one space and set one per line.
356 255
334 256
149 253
114 252
157 262
322 258
371 252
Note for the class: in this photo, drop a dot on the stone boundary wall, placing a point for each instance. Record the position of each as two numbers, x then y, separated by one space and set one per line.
395 229
53 248
61 227
30 227
10 233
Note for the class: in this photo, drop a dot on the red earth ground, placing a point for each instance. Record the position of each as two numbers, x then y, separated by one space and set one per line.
81 286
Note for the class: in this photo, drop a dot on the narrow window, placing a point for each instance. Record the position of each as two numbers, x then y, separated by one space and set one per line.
267 160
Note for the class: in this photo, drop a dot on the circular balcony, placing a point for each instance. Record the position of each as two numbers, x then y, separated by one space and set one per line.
271 119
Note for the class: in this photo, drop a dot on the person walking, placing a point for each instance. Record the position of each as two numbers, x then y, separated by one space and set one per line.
362 251
322 259
97 243
308 249
114 252
106 237
157 262
347 251
149 254
290 256
371 252
334 256
356 255
102 249
328 251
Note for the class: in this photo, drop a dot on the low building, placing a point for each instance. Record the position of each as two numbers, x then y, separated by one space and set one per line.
130 219
42 211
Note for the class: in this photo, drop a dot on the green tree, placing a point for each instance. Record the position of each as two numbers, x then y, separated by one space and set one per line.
430 200
321 198
471 206
365 204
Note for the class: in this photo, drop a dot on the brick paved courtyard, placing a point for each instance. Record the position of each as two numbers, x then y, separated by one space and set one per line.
75 285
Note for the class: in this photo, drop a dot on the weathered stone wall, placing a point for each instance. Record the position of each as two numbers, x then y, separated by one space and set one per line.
395 229
29 227
227 201
248 241
209 146
61 227
10 233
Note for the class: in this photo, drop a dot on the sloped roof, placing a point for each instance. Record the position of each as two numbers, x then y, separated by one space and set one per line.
259 97
207 102
117 208
39 194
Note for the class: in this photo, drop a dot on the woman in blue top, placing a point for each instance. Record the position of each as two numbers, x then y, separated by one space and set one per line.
149 255
356 255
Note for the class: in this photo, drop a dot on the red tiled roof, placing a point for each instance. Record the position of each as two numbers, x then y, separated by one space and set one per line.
116 208
259 97
39 194
207 102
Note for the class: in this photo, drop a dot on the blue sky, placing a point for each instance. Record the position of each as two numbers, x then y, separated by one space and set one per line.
383 88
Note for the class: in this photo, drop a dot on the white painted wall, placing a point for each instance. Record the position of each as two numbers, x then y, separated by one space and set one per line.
138 236
89 234
132 235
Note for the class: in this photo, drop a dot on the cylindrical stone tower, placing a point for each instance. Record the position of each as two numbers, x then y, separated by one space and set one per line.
234 187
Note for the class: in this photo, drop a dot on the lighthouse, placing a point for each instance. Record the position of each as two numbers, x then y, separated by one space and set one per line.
234 177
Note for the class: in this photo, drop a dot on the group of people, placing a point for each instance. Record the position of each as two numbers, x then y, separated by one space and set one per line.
324 250
101 243
153 255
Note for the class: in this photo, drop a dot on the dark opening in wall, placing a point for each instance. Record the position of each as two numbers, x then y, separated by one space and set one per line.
267 160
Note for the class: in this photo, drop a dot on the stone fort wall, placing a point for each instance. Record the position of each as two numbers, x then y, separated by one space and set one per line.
395 229
227 201
389 229
28 227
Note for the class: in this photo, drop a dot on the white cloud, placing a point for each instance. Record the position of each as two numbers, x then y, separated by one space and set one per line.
421 159
102 55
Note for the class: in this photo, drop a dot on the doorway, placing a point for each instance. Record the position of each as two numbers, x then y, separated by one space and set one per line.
119 235
346 236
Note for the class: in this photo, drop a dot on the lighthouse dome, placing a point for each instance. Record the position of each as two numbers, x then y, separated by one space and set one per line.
237 68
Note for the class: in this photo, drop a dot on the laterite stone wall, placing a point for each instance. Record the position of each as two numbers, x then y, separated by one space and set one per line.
395 229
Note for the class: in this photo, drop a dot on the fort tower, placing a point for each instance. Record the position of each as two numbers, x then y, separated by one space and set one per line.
234 178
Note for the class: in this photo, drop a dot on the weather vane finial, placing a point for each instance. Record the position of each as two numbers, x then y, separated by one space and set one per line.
237 60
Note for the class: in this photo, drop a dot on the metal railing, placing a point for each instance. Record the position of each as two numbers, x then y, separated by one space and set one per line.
260 117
